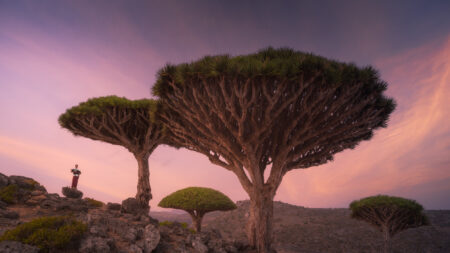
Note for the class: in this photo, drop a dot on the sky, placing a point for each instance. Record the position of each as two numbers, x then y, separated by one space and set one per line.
56 54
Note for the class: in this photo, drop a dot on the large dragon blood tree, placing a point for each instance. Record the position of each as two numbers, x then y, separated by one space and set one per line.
119 121
275 110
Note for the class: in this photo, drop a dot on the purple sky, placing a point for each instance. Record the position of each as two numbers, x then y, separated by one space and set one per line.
56 54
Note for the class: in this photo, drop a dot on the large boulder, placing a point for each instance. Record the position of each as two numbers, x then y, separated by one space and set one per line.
150 238
72 193
14 247
131 206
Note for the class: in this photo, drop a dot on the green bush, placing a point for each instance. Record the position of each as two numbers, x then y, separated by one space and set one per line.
94 202
48 233
182 224
8 194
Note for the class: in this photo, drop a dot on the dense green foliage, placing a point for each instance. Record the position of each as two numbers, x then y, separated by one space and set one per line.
198 199
8 193
94 202
48 233
97 106
381 206
274 64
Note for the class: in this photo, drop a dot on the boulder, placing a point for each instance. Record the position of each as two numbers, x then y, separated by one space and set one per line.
49 204
4 181
23 182
113 206
131 206
77 205
72 193
14 247
151 238
35 200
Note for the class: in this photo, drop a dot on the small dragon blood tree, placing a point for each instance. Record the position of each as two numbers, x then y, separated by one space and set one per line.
389 214
198 201
119 121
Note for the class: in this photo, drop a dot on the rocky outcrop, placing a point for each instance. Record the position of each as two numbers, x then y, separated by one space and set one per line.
72 193
113 206
116 228
15 247
113 231
176 238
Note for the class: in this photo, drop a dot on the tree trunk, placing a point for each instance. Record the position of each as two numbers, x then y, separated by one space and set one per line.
259 226
143 194
387 240
197 221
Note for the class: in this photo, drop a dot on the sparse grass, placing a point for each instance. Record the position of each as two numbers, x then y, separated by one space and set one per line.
94 202
8 194
49 234
166 223
182 224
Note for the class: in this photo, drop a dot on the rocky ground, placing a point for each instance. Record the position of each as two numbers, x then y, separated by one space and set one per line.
314 230
123 228
111 228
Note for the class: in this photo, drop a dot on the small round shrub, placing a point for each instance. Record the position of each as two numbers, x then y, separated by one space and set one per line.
198 201
198 198
49 234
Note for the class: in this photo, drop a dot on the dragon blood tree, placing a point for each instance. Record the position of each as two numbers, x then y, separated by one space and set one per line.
198 201
119 121
275 110
389 214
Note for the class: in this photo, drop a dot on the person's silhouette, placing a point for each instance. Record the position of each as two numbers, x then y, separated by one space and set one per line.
76 174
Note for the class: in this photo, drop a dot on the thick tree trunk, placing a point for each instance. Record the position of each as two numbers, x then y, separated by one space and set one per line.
197 221
260 220
143 194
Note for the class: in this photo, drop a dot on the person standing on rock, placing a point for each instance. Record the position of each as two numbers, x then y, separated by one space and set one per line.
76 174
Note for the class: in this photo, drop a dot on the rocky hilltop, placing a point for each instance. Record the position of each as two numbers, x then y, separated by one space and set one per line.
115 227
110 227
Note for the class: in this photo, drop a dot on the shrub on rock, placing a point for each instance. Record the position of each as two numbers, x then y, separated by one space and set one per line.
72 193
93 202
9 194
198 201
389 214
48 233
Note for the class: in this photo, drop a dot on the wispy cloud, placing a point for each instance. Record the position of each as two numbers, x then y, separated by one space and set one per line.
412 151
